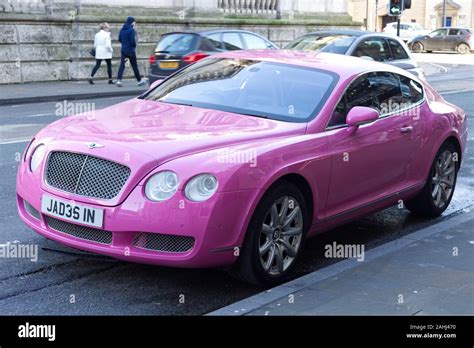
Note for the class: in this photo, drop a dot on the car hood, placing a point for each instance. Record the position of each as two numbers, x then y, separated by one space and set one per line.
163 131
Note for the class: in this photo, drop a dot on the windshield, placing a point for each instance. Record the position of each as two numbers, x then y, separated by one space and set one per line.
324 43
176 43
251 87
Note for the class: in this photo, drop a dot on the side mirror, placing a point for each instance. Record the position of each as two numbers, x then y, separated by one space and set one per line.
155 83
360 115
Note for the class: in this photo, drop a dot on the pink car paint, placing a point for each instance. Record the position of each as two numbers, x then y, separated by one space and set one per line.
386 164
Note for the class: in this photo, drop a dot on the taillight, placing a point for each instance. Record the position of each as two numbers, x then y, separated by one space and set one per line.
152 59
194 57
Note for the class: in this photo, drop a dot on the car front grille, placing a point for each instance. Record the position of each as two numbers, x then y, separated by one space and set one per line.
85 175
163 242
78 231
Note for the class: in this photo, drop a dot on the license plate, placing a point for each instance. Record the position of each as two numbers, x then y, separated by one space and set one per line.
169 65
71 211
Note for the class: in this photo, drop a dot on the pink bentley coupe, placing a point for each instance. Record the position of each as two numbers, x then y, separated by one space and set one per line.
235 160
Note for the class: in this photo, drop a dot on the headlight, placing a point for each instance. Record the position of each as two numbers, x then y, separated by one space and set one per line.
162 186
201 187
37 157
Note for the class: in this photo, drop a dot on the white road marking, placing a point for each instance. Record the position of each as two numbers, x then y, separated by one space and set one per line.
458 91
438 66
40 115
14 141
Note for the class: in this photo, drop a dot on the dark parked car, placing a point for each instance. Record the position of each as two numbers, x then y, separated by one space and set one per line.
444 39
380 47
175 50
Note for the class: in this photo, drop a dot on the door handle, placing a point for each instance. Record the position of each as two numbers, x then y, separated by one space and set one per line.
406 129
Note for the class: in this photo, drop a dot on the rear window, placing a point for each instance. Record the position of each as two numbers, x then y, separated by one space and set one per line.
324 43
177 43
252 87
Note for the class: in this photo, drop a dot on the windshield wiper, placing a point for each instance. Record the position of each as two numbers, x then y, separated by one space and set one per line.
253 115
175 103
214 108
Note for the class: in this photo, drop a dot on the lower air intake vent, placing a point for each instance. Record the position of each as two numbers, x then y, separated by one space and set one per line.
163 242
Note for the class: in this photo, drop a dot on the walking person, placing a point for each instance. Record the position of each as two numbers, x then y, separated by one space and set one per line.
128 39
103 51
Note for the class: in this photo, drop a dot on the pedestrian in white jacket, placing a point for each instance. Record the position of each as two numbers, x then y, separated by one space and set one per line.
103 51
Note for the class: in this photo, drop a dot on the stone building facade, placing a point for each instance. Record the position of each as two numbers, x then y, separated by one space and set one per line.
43 40
427 13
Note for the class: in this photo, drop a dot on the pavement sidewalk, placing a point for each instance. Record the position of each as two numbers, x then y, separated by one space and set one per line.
428 272
35 92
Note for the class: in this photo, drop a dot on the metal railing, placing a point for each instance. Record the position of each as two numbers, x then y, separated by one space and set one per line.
263 7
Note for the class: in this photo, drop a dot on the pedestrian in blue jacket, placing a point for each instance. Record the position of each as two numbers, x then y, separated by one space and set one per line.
128 39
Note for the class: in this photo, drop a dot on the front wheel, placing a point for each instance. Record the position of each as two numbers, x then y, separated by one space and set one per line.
275 237
417 47
436 195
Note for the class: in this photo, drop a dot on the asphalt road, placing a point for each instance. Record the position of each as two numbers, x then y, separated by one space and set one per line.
66 282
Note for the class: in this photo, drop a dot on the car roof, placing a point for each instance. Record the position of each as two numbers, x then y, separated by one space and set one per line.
355 33
344 66
350 32
208 32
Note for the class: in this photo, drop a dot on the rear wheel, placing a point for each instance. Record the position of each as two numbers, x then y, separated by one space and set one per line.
417 47
275 237
436 195
463 48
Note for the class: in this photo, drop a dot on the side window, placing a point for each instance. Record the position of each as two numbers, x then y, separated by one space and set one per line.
359 93
412 91
254 42
388 92
232 41
454 32
437 33
380 91
375 48
398 52
208 45
215 40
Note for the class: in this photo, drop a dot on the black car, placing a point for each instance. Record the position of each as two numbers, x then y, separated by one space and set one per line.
444 39
175 50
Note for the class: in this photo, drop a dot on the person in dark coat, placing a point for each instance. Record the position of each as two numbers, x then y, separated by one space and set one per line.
128 39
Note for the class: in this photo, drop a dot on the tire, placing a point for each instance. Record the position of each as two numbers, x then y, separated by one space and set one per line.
463 48
417 47
432 201
266 231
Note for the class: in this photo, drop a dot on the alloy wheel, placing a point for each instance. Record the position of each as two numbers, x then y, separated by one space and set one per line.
417 47
463 49
281 235
443 179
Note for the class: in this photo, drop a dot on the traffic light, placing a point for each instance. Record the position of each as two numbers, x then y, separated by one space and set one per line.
395 8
